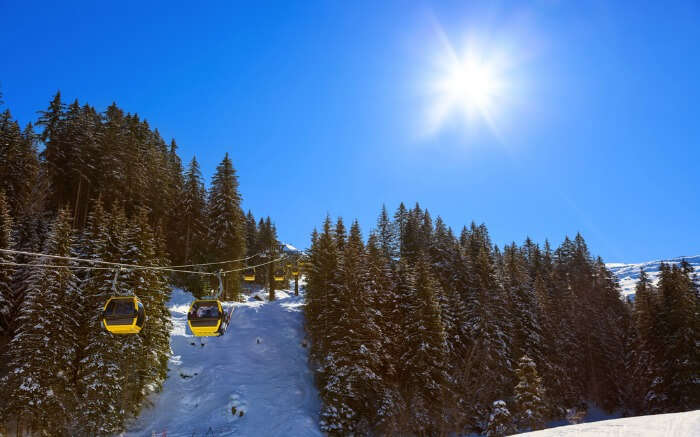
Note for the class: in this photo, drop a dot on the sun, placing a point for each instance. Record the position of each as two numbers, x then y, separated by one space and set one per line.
470 85
466 88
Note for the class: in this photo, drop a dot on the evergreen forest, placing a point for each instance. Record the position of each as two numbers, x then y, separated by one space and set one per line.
419 330
106 186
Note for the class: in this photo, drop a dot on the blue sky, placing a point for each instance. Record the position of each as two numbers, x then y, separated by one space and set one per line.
323 107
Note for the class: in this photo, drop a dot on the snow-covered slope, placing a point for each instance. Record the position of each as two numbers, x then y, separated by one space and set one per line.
661 425
628 274
260 367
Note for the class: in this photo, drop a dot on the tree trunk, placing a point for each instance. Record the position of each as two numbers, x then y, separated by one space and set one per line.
271 279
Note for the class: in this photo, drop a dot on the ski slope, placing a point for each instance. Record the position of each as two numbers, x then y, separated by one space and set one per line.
628 274
660 425
259 367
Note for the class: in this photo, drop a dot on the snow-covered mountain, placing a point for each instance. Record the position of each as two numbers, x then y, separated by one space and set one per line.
253 381
661 425
628 274
289 249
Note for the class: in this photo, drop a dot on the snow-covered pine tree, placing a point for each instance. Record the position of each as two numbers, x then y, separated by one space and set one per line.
321 280
355 356
610 329
170 222
400 218
425 233
131 355
341 236
268 243
6 272
323 314
40 389
525 308
679 325
531 408
100 378
148 351
161 315
386 234
226 223
446 262
552 317
490 374
251 235
413 242
500 421
642 363
193 215
569 338
19 164
425 382
385 310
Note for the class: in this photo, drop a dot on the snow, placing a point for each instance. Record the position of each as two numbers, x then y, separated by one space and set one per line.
674 424
288 248
628 274
259 368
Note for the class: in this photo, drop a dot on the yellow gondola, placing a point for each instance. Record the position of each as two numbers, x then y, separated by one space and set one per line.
123 315
249 275
278 275
205 317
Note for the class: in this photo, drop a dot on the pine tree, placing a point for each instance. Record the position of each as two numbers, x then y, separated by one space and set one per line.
386 234
679 323
400 218
491 372
19 165
500 421
193 223
226 224
354 357
172 198
40 390
340 235
529 396
100 379
423 368
269 245
6 272
151 347
525 309
251 235
386 312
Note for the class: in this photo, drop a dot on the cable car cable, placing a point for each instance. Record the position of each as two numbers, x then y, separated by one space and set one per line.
95 261
123 265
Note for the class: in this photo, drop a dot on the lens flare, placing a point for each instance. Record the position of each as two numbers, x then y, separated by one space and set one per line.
468 87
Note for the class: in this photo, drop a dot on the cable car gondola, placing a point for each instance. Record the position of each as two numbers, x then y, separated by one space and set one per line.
206 318
278 275
249 275
123 315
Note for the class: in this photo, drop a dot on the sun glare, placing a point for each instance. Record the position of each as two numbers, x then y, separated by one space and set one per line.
467 88
470 85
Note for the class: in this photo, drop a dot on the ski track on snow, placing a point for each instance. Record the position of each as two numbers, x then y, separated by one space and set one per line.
270 381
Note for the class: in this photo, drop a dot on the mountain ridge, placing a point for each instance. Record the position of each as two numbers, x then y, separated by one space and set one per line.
628 274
